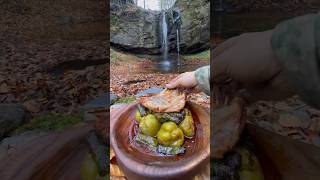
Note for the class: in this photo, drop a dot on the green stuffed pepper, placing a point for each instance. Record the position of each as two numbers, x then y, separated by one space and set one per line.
149 125
138 116
170 135
89 168
187 125
141 111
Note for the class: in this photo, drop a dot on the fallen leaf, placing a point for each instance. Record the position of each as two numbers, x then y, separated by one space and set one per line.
315 138
4 88
32 106
289 120
116 171
112 154
315 125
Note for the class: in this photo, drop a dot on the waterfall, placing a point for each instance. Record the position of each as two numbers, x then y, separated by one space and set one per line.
220 6
178 46
177 23
176 20
164 39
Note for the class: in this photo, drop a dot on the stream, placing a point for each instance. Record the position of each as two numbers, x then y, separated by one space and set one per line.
170 68
164 67
172 65
75 65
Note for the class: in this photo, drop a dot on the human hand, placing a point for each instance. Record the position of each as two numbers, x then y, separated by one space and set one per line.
248 64
184 80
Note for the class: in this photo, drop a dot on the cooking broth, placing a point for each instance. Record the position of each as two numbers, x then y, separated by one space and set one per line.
190 144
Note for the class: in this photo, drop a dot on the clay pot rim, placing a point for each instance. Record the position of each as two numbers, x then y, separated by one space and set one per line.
145 170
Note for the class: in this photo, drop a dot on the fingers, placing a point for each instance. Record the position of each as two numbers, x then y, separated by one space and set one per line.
224 85
194 90
223 94
275 89
174 83
223 47
221 57
219 68
184 80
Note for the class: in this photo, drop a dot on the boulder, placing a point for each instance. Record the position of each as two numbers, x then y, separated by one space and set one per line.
100 102
134 29
149 91
138 30
113 98
11 116
195 27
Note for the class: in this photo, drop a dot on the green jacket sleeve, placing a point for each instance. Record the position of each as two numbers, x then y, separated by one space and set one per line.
296 44
203 79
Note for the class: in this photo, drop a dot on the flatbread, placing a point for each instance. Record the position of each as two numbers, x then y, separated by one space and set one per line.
166 101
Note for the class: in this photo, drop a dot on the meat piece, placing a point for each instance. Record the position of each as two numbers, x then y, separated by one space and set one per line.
166 101
227 125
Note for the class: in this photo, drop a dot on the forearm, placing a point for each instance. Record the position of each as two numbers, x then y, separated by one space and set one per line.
203 78
296 44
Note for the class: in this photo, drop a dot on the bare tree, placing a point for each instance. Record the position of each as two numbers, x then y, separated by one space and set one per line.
165 4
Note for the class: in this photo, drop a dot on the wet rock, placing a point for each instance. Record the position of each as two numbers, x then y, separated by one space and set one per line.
195 27
265 125
302 114
149 91
277 128
32 106
290 120
294 119
315 125
283 106
134 29
100 102
113 98
89 117
315 138
11 116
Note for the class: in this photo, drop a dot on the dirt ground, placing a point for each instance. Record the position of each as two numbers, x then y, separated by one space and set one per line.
129 75
38 39
26 74
291 118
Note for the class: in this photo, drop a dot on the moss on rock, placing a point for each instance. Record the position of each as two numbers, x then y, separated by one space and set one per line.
128 99
50 122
